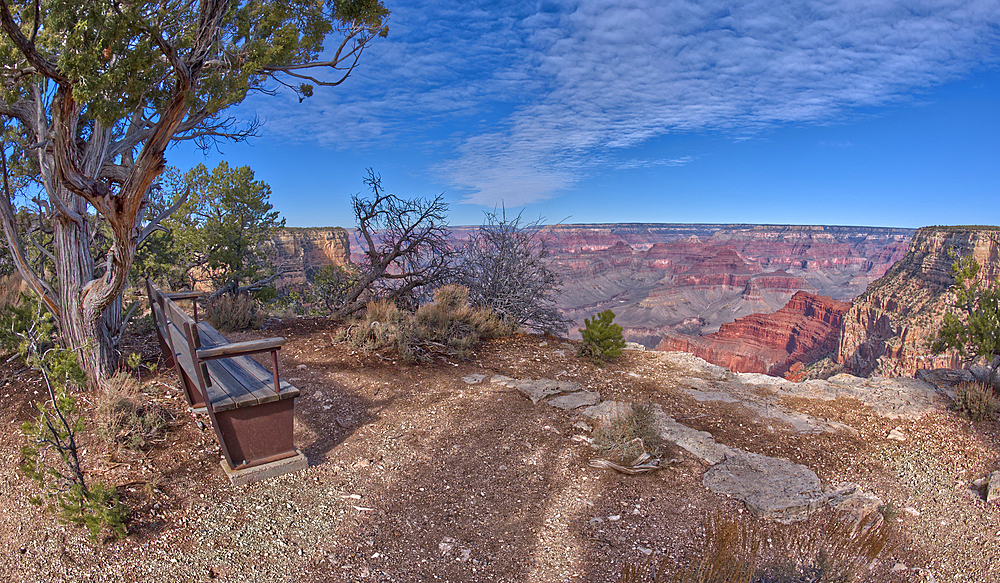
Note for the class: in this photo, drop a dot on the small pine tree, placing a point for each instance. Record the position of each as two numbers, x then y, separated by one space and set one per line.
602 338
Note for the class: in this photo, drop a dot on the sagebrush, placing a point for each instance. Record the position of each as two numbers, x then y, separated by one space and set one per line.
232 313
448 325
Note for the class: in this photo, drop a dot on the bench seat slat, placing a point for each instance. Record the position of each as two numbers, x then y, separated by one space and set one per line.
211 335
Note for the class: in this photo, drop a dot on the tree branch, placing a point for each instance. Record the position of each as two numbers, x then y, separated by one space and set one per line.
27 47
154 224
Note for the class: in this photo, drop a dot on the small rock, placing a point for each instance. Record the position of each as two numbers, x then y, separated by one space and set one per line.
596 520
615 517
645 551
582 425
911 511
899 567
543 344
897 435
446 545
474 379
301 367
465 555
993 488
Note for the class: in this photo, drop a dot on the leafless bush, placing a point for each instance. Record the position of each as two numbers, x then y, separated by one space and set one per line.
229 313
405 244
503 265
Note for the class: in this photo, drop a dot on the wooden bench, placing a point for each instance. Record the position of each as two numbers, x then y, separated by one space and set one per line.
251 409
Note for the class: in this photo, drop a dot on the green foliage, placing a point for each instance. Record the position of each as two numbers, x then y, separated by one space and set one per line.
332 285
602 339
222 226
976 401
54 430
627 435
228 313
975 329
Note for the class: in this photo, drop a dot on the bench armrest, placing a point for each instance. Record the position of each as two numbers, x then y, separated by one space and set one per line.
241 348
191 295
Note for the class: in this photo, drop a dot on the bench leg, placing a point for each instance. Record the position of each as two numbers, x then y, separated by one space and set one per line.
256 435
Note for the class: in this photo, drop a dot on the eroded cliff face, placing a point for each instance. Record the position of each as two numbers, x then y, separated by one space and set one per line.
303 252
888 328
691 279
804 330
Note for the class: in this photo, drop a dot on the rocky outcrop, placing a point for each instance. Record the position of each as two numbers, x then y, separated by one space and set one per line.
888 328
302 252
805 330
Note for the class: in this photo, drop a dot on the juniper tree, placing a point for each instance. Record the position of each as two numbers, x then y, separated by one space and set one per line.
93 93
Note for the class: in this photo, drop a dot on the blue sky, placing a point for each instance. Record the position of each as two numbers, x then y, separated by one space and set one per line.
855 112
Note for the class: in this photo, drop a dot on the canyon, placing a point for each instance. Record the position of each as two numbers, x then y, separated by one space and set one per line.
888 330
754 298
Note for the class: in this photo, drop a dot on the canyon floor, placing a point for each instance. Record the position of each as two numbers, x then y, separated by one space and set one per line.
418 473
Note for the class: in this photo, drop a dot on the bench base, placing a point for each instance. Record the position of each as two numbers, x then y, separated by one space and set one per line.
244 476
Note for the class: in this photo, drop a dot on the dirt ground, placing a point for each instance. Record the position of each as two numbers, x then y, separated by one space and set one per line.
416 475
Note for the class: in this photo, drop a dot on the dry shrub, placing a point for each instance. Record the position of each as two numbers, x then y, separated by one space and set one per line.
11 289
830 548
383 326
121 420
453 325
627 435
229 313
976 401
448 325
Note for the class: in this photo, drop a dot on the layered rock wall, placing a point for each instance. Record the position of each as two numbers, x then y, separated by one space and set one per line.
805 330
302 252
888 329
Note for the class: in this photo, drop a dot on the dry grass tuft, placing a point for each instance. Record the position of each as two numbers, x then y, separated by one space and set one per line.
121 419
628 435
977 401
831 548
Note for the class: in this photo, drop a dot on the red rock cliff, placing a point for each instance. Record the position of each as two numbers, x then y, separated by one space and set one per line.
303 252
805 330
888 328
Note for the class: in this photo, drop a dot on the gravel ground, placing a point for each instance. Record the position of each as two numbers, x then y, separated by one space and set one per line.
416 475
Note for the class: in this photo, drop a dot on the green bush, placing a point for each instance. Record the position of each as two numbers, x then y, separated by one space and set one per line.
229 313
602 339
52 457
976 401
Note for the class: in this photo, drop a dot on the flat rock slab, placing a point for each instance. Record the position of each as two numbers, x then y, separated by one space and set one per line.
607 410
539 389
576 400
770 487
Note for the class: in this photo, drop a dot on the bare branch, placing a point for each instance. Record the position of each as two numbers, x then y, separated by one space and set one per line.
154 224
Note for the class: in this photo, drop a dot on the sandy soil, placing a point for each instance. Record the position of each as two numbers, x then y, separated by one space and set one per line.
416 475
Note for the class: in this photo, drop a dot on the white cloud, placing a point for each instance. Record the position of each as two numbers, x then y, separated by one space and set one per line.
538 96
